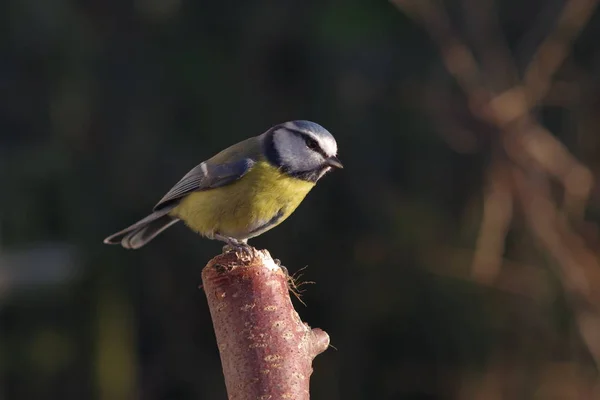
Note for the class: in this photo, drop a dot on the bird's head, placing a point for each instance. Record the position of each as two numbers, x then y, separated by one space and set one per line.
302 149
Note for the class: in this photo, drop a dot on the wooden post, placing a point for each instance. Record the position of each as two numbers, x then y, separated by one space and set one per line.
266 350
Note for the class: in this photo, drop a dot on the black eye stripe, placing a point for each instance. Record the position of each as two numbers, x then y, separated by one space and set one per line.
317 148
311 143
306 138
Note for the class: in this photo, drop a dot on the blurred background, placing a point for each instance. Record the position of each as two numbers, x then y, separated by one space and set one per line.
455 257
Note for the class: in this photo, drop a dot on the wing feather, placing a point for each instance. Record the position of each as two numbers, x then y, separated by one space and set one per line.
206 176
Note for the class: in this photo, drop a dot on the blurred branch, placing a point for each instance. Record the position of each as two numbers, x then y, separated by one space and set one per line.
456 56
266 350
579 266
554 50
497 215
489 43
527 157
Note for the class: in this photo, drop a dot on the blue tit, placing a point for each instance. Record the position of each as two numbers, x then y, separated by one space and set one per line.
244 190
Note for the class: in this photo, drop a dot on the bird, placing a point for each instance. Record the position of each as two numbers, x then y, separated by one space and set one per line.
245 190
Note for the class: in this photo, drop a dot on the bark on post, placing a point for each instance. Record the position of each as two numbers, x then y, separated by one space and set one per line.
266 350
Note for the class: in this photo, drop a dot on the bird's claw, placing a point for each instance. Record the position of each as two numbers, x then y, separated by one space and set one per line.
242 250
245 251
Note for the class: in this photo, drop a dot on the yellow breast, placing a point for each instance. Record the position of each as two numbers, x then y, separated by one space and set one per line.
260 200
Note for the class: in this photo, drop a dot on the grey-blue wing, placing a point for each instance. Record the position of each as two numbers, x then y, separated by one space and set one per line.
206 176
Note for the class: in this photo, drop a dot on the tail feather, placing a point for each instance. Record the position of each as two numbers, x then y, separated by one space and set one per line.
143 231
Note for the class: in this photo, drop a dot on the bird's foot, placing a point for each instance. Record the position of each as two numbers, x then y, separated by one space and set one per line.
241 248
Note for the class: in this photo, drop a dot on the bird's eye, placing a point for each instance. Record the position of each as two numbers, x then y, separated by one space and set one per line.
311 143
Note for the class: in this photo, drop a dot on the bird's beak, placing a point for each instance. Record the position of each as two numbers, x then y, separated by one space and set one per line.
334 162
